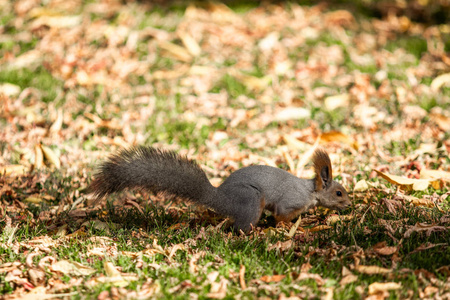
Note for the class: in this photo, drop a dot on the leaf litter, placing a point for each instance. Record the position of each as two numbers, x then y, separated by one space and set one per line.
271 84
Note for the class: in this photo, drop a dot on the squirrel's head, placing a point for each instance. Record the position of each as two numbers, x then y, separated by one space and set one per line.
330 194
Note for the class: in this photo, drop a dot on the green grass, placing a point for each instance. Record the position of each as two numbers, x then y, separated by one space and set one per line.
226 253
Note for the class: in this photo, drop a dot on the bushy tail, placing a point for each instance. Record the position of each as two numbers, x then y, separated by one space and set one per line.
153 170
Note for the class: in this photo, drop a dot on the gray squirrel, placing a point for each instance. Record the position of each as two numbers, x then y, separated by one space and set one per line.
242 196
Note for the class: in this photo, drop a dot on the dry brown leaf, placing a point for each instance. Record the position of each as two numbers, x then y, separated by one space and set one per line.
319 228
177 226
305 267
348 279
174 249
442 121
316 277
419 202
427 246
372 270
406 183
428 228
272 278
281 246
377 287
218 289
242 277
383 249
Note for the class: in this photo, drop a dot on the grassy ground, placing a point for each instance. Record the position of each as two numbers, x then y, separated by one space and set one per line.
229 87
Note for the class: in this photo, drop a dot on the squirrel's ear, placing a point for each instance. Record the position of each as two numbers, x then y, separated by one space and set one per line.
322 168
325 176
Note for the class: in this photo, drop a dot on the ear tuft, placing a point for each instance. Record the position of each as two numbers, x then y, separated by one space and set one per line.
322 168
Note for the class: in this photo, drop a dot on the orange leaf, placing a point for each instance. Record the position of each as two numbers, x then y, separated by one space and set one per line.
273 278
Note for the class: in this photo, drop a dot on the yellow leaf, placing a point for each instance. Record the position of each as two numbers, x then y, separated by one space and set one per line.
361 186
372 270
377 287
34 199
333 102
336 218
39 157
439 81
51 156
73 268
190 43
406 183
176 51
434 174
13 170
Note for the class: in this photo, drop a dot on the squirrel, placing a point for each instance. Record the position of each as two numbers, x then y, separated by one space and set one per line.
242 196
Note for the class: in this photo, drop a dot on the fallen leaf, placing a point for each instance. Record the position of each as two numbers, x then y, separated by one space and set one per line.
337 136
113 275
429 228
281 246
372 270
190 43
442 121
383 249
332 219
361 186
9 89
72 268
272 278
39 157
406 183
435 174
336 101
427 246
348 279
294 228
377 287
316 277
440 81
319 228
33 199
292 113
242 277
218 289
175 51
13 170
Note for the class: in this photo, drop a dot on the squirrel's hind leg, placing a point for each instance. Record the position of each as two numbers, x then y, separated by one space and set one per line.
249 206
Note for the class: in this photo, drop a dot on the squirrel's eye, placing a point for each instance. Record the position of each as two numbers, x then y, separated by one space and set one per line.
339 193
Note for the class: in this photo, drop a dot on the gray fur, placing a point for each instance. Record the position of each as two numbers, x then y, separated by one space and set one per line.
242 196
